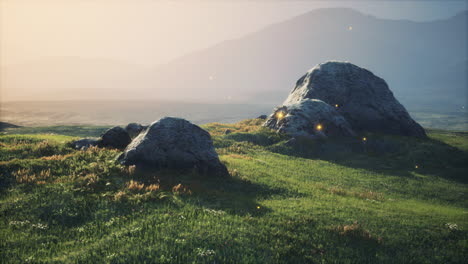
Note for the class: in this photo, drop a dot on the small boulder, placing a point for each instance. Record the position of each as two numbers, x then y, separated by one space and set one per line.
174 143
227 131
115 137
134 129
84 143
262 117
309 118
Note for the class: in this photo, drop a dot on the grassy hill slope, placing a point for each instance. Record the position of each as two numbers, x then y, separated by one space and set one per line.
383 200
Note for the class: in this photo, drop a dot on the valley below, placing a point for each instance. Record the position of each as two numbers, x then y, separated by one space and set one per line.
107 113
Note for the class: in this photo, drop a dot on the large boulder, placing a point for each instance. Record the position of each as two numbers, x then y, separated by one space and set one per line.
362 98
115 137
176 144
309 118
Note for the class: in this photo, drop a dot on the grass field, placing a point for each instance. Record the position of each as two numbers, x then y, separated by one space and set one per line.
386 200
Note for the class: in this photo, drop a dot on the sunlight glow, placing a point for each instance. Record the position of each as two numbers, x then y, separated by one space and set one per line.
319 127
280 115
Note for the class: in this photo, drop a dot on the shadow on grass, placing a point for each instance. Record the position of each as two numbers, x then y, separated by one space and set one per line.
228 193
374 152
383 154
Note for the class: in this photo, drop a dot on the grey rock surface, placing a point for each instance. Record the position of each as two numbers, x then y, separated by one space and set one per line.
227 131
309 118
84 143
174 143
134 129
115 137
362 98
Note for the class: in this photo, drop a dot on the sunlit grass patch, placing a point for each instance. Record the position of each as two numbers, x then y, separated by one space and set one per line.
247 126
369 195
237 156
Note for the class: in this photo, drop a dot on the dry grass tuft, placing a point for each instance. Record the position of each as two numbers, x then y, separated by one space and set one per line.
131 170
181 189
355 230
120 196
91 179
234 172
135 186
27 176
370 195
152 187
57 157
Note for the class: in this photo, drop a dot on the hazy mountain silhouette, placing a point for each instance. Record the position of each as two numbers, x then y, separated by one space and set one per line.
423 63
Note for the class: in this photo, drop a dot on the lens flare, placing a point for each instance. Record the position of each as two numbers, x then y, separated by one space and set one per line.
319 127
280 115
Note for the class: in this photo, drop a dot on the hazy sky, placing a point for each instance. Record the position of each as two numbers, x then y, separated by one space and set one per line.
154 32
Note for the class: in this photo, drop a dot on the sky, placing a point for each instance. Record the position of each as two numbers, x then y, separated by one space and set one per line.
155 32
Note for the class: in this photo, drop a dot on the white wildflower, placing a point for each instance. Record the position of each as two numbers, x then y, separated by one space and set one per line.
180 241
452 226
110 222
40 226
205 252
19 223
214 212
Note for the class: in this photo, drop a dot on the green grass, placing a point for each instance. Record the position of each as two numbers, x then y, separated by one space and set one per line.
332 201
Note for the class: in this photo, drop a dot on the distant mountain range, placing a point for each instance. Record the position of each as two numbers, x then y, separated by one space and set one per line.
424 63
